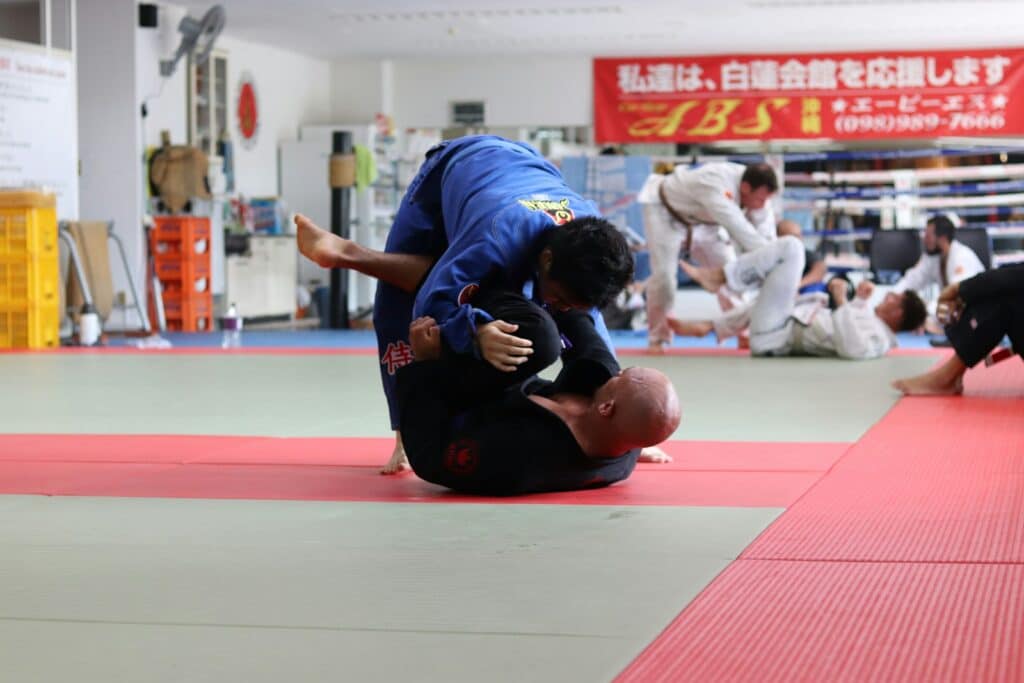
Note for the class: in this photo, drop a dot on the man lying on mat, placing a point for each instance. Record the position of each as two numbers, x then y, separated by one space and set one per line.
981 311
782 324
408 273
583 430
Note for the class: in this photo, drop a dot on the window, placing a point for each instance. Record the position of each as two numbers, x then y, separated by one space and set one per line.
467 113
26 22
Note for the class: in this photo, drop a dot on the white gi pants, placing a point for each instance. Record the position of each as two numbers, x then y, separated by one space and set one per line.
776 269
709 248
665 237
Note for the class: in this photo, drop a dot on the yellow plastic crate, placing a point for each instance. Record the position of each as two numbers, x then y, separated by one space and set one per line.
29 260
28 223
29 282
23 327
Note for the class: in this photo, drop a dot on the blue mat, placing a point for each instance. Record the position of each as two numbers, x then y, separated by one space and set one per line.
364 339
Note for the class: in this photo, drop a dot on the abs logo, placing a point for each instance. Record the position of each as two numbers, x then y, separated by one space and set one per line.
462 456
557 211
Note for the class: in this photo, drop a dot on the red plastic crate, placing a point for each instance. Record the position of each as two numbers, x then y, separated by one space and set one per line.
193 313
188 276
192 324
181 237
178 306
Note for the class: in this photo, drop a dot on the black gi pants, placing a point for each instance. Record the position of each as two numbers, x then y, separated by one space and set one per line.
475 379
984 323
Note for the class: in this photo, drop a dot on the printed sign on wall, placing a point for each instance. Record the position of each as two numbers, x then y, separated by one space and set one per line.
38 124
910 94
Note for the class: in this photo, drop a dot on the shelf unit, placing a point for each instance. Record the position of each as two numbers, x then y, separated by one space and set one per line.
208 102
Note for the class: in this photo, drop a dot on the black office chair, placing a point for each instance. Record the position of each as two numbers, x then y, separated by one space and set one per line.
892 252
978 240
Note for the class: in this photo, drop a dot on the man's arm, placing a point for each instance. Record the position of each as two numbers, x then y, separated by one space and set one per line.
764 222
858 334
587 362
445 294
477 259
925 272
727 213
964 263
816 270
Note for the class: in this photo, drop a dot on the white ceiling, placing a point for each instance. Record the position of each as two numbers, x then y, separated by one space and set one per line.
339 29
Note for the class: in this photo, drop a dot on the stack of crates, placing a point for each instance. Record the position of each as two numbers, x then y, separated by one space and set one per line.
181 259
29 271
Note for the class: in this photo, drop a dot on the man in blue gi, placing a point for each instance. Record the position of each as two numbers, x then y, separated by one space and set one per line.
485 212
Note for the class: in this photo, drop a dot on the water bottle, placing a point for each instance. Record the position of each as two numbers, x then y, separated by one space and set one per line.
232 326
89 326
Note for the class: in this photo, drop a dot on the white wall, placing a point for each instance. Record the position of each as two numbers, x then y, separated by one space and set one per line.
165 98
108 125
517 91
118 67
291 91
357 90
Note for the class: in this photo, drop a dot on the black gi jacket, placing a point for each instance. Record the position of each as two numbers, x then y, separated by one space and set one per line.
507 445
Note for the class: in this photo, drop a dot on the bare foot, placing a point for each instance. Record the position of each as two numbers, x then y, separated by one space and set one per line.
725 301
930 384
655 455
691 328
932 326
657 348
323 248
710 279
399 462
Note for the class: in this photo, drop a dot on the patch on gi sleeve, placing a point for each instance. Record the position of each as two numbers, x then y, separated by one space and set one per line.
462 456
467 293
557 210
397 355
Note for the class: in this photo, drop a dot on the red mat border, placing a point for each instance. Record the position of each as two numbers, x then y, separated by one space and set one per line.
704 474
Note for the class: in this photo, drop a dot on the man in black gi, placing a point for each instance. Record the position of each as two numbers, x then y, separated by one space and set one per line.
982 310
584 430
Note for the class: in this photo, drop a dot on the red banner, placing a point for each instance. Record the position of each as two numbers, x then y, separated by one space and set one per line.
845 96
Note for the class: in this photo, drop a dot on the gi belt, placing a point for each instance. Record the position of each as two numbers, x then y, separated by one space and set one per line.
676 215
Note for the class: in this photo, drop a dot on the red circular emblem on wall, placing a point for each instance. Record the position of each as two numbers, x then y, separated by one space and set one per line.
248 111
462 456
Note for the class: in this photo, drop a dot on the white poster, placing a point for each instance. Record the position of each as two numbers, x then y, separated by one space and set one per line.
38 123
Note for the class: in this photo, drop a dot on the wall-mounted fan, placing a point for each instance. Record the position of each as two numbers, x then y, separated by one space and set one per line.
197 36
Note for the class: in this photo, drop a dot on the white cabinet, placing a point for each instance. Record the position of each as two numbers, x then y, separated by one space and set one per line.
208 102
262 283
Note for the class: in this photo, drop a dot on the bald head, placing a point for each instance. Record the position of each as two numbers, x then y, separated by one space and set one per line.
640 408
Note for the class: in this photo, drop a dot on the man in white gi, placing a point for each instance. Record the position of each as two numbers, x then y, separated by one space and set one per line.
783 324
945 261
714 210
